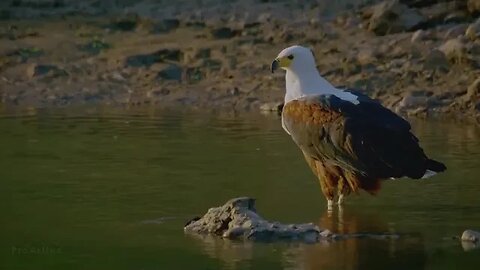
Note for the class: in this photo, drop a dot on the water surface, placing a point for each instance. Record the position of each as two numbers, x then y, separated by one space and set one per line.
109 190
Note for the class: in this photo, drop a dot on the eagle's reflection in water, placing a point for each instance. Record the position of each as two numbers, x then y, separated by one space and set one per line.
370 243
373 244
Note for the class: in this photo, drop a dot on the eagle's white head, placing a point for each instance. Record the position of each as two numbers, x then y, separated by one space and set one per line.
296 59
302 77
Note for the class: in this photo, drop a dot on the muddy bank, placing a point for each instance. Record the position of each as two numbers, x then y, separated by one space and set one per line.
418 57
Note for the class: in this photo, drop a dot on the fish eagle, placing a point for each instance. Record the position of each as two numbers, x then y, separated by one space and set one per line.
350 141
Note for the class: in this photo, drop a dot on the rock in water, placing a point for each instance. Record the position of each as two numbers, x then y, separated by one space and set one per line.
470 240
471 236
238 219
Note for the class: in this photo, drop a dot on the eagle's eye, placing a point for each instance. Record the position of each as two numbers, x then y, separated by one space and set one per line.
290 57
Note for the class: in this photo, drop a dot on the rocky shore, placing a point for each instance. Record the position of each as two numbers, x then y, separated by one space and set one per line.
419 58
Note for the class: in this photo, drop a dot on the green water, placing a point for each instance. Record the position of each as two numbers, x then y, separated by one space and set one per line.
104 190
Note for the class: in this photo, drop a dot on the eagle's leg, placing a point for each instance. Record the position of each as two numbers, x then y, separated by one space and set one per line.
340 200
328 192
324 178
330 205
343 189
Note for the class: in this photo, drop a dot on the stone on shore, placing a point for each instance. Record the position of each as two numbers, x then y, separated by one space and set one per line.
392 16
454 49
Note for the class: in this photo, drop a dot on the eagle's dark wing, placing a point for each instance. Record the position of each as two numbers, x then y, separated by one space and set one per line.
365 138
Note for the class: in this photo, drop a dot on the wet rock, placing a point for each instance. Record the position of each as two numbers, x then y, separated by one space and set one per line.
40 70
223 33
238 219
454 49
473 30
392 17
146 60
171 72
471 236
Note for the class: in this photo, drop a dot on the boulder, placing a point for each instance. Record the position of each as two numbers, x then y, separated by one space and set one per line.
393 17
238 219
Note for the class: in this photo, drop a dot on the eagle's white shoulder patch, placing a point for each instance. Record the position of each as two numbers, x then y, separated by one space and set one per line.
347 96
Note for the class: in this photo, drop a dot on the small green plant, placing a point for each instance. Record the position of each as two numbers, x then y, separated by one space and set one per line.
95 46
27 53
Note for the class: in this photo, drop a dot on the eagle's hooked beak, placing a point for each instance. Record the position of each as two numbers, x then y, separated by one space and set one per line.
281 62
275 65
